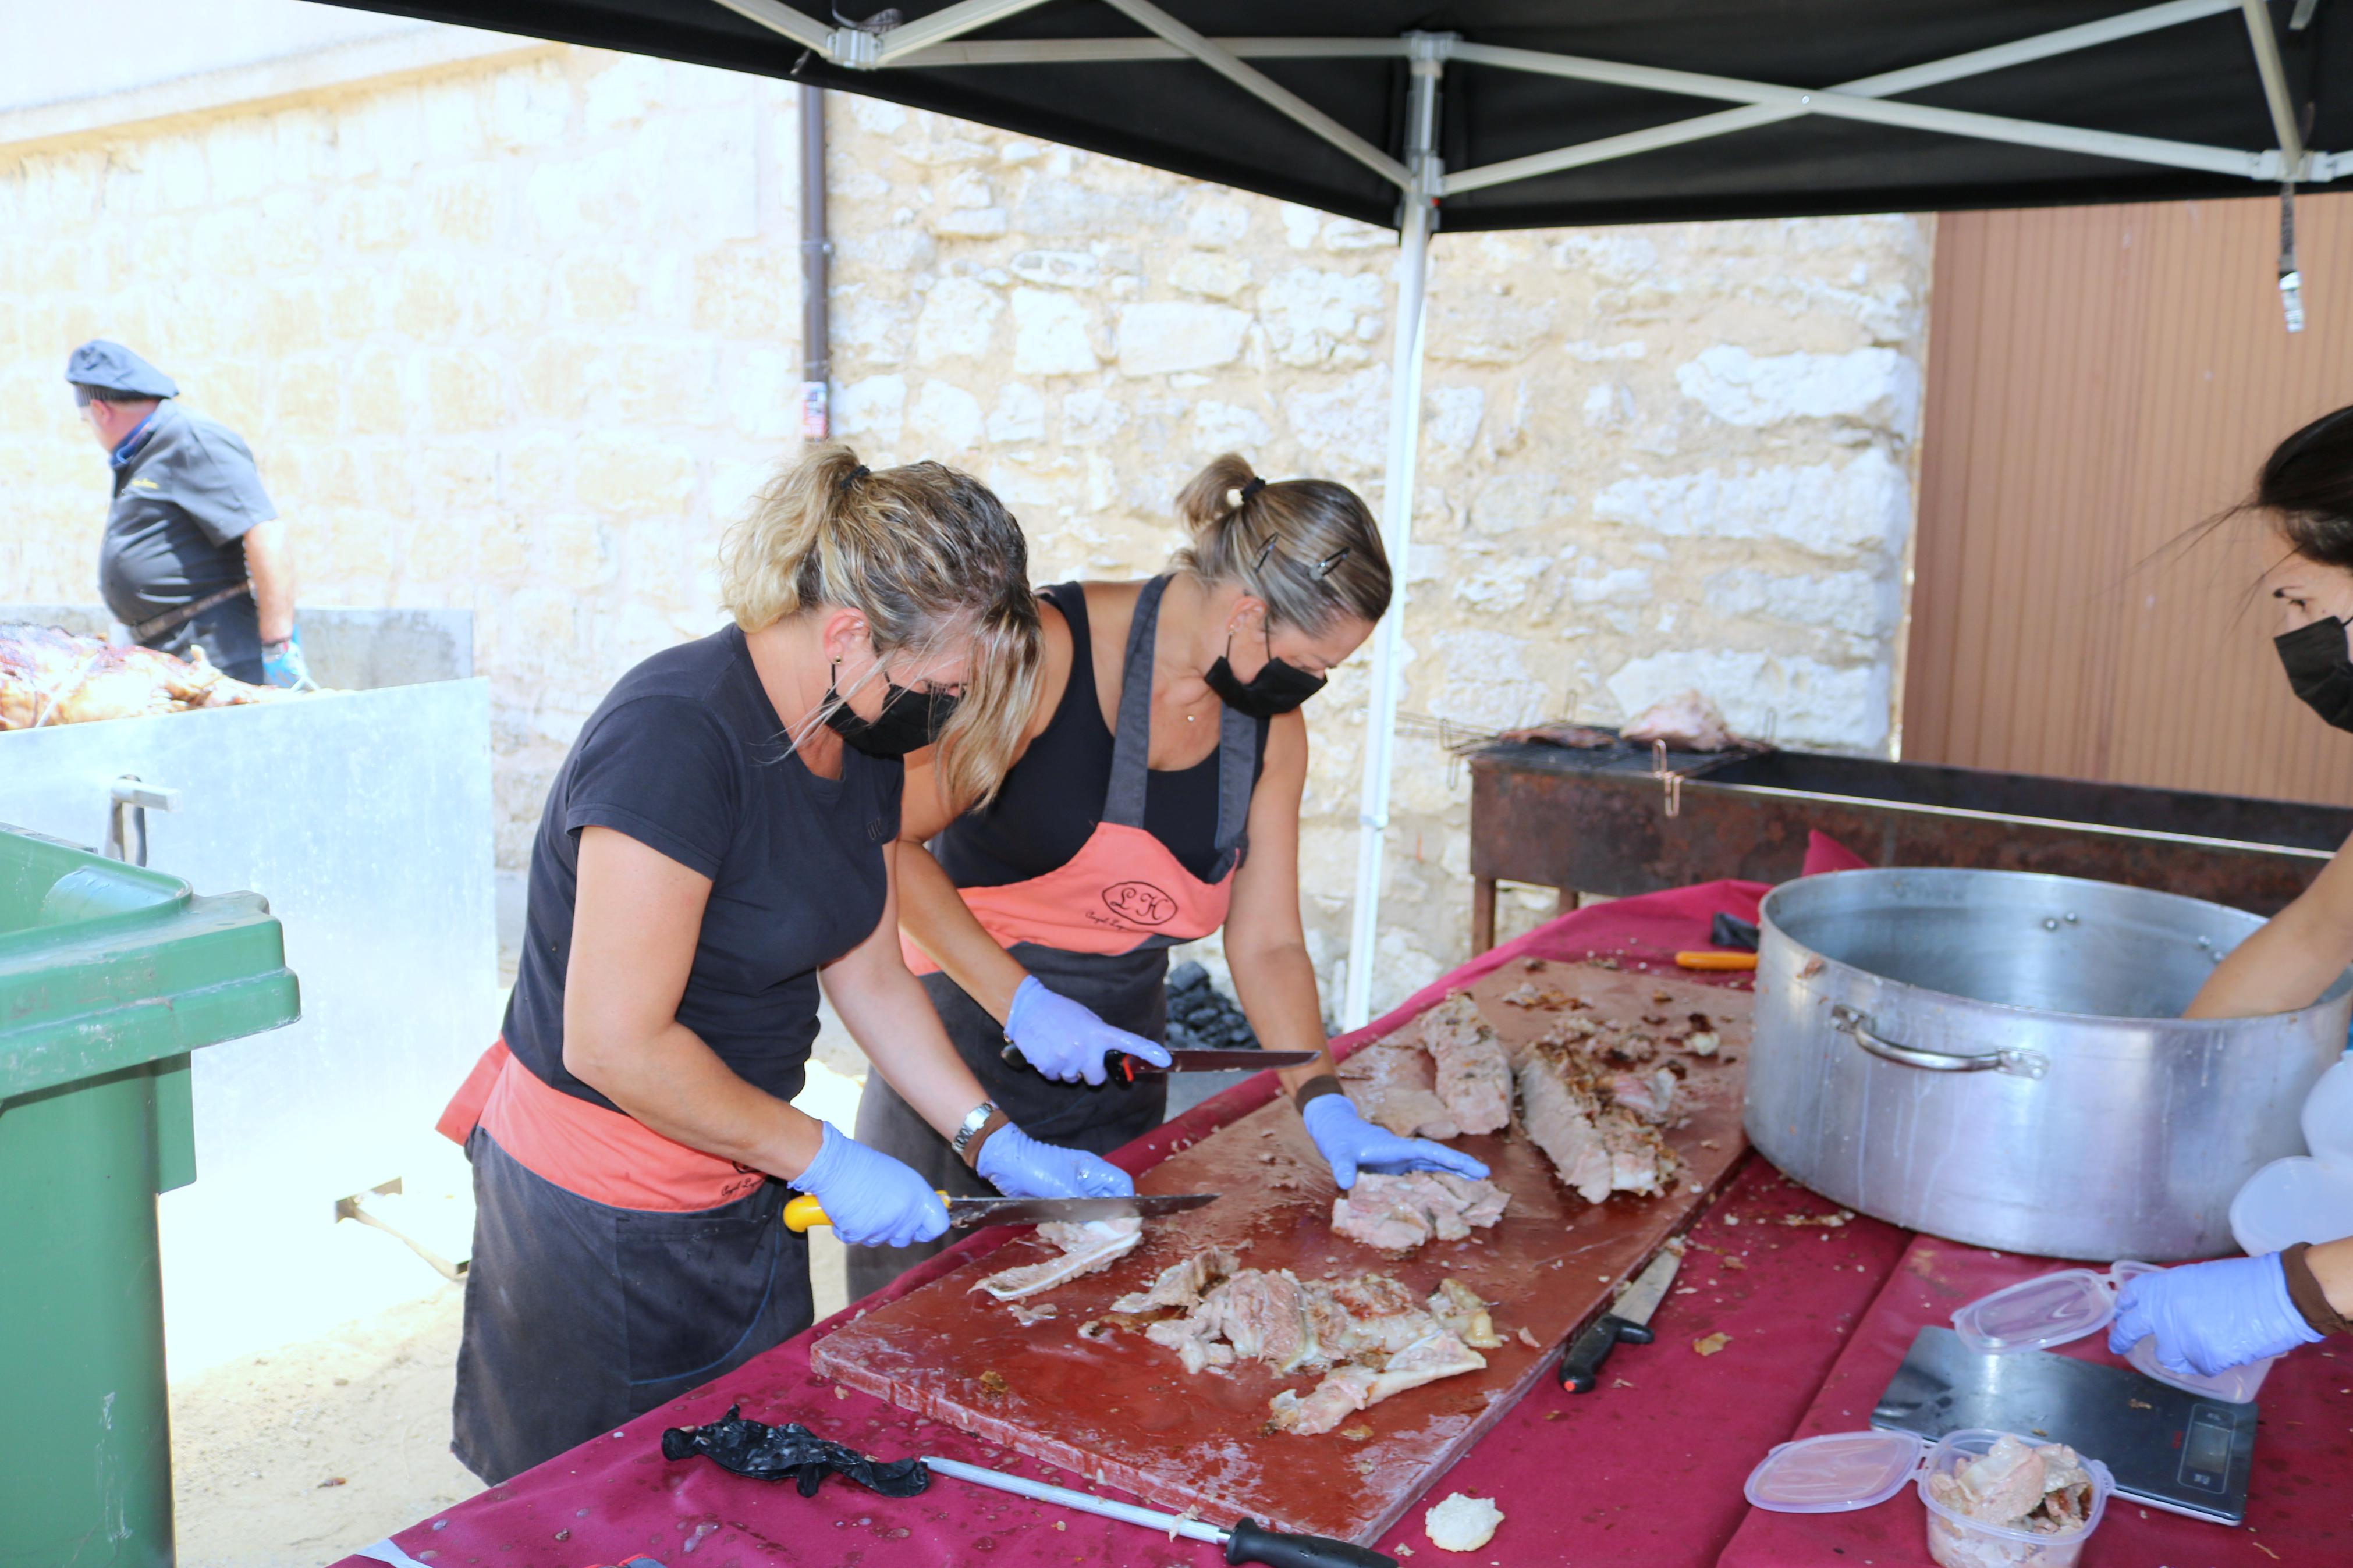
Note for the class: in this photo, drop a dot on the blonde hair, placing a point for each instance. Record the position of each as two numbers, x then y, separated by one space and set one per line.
926 553
1309 548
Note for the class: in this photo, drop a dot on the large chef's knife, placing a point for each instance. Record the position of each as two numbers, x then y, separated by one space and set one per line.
1628 1319
967 1214
1244 1058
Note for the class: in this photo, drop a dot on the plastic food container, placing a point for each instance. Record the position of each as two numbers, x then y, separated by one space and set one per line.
1957 1540
1840 1472
2070 1303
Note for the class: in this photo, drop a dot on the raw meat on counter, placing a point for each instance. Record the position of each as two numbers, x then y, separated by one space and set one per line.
1398 1214
51 677
1088 1247
1687 721
1474 1079
1373 1334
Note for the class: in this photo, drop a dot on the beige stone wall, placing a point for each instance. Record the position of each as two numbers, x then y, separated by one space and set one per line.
519 335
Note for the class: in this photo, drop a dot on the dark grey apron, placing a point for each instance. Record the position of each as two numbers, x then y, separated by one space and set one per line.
1128 990
580 1316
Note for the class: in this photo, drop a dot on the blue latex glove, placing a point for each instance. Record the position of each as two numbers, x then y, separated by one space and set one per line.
1350 1143
2209 1317
872 1199
283 664
1020 1167
1064 1039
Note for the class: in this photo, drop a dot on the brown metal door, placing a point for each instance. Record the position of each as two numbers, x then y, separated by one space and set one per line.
2100 380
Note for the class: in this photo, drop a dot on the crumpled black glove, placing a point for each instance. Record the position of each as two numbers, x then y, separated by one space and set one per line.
773 1453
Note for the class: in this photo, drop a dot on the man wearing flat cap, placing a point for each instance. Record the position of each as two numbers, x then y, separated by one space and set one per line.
194 555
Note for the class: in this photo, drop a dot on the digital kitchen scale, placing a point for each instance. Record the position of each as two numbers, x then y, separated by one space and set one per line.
2167 1448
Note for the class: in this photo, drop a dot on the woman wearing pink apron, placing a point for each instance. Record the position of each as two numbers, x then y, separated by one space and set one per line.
722 834
1155 800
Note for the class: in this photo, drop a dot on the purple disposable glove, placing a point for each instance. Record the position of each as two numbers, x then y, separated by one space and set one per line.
2209 1317
871 1199
1349 1144
1064 1039
1020 1167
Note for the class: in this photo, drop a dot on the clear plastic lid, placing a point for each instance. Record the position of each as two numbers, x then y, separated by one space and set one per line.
1835 1473
2234 1386
2035 1314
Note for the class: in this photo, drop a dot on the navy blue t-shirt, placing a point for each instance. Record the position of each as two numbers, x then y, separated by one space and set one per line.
687 756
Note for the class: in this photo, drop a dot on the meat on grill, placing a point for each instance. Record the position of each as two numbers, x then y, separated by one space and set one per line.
1569 736
1687 721
52 677
1398 1214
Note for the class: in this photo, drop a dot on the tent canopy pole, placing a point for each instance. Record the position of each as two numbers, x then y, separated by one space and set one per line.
1417 217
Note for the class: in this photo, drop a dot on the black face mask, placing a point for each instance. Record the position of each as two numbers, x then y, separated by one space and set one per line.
911 720
2318 669
1278 687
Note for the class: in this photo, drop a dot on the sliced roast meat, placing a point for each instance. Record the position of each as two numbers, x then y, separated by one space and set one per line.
1398 1214
1087 1248
1392 1085
1473 1080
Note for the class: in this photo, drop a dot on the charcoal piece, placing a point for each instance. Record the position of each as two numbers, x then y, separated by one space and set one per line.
790 1452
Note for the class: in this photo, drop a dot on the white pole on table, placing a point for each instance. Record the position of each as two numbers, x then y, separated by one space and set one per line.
1418 214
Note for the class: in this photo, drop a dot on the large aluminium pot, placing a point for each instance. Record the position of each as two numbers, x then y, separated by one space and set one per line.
1998 1057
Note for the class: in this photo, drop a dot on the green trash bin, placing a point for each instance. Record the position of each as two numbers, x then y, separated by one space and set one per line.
109 976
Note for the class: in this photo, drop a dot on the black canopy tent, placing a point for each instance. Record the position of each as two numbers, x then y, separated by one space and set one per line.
1489 114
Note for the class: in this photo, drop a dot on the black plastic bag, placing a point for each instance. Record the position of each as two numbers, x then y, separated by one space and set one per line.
793 1451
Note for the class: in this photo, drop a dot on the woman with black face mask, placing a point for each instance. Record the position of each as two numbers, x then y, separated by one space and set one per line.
2211 1316
1154 799
724 834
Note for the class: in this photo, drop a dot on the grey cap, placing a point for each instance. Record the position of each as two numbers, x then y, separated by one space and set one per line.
111 367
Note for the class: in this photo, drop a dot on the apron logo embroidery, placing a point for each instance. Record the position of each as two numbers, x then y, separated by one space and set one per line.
1140 902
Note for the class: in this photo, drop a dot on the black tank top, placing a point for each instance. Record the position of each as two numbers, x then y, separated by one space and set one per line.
1053 797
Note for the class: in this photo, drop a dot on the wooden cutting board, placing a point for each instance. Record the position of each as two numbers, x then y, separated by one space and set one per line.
1123 1412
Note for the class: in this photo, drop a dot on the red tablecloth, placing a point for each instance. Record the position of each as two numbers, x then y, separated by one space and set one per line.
2299 1508
1647 1470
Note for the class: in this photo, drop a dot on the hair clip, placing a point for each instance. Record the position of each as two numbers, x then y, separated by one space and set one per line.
1265 551
1250 487
1324 567
853 477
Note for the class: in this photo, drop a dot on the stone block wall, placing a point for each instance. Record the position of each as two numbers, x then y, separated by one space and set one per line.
519 336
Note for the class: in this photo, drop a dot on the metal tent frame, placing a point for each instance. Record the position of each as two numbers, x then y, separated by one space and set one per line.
1423 183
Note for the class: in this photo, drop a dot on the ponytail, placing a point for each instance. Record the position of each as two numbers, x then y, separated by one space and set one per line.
1308 548
926 553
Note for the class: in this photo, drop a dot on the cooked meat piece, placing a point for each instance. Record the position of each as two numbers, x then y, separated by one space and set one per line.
1369 1316
1650 1096
1181 1283
1474 1080
51 677
1572 1111
1560 1123
1571 737
1026 1316
1392 1085
1464 1314
1398 1214
1261 1315
1193 1339
1087 1248
2044 1489
1435 1355
1687 721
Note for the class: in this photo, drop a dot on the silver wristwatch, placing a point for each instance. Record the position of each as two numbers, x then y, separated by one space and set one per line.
974 1121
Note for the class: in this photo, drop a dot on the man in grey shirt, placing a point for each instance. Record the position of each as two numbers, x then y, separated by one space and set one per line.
194 555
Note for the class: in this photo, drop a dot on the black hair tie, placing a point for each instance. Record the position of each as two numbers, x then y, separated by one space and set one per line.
1251 488
853 477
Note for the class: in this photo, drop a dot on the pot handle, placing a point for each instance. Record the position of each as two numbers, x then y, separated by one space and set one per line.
1857 1027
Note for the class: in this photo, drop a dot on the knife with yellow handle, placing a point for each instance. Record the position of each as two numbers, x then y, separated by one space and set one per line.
967 1214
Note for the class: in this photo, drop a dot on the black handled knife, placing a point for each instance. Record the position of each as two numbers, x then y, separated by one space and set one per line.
1628 1319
